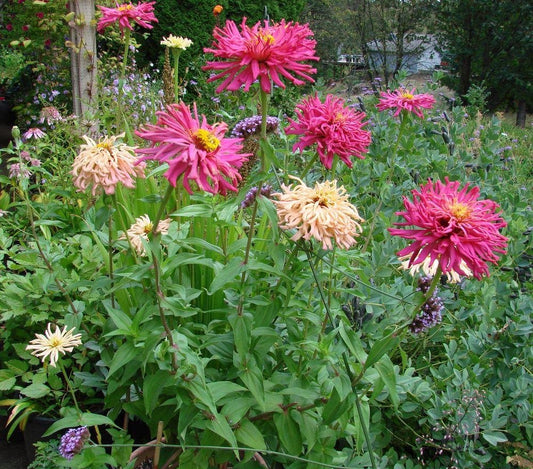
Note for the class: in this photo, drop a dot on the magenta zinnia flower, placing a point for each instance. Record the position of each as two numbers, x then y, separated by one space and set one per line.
453 227
405 99
195 149
336 129
125 14
262 53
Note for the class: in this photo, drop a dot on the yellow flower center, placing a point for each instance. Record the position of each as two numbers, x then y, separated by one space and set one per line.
206 140
325 197
460 211
267 38
126 7
407 95
148 228
105 145
54 342
339 118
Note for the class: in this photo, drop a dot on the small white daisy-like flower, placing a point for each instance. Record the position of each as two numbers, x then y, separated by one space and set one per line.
51 343
176 42
140 230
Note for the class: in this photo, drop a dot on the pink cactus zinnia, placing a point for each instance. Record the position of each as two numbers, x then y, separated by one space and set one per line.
194 149
125 14
262 53
453 228
405 99
335 128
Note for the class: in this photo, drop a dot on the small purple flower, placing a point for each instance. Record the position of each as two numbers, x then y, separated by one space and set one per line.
429 317
250 197
252 126
16 170
73 441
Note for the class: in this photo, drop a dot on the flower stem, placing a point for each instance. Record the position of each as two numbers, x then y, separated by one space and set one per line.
176 54
69 387
264 115
122 77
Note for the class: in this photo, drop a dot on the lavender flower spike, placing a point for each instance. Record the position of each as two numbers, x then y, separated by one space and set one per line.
73 441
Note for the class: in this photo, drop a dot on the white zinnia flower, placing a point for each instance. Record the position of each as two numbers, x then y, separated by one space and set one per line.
51 343
176 42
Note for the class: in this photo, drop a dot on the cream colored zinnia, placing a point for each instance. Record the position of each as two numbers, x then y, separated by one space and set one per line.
430 268
322 212
51 343
140 230
104 164
176 42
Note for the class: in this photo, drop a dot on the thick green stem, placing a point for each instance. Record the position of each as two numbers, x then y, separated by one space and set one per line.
162 208
264 115
121 80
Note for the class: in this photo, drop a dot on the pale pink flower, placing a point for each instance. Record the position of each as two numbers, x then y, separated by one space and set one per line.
126 14
405 99
322 212
138 233
194 149
50 114
266 53
333 127
52 343
33 132
104 164
452 227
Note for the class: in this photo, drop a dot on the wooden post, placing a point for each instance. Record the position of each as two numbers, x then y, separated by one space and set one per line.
83 58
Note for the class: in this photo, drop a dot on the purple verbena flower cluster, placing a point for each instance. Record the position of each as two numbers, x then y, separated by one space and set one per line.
73 441
250 197
429 317
252 126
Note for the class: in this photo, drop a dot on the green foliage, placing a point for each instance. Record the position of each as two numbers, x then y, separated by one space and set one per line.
241 340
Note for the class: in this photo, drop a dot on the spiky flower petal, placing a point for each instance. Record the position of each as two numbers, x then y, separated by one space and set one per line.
52 343
265 52
406 99
140 230
322 212
335 128
126 14
104 164
193 148
452 227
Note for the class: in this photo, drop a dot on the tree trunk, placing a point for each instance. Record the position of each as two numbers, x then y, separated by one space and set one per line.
83 59
521 114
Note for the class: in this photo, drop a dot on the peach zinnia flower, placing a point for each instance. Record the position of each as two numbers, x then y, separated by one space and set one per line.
262 53
453 227
405 99
52 343
125 14
105 164
194 149
336 129
140 230
322 212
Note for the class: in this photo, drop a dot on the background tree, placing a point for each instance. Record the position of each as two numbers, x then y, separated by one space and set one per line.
489 43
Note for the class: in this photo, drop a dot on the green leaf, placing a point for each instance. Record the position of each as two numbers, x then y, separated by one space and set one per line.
126 353
252 379
386 371
353 342
289 433
7 380
221 427
152 387
221 389
380 348
119 317
36 390
335 407
227 274
249 435
242 331
17 366
195 210
494 437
